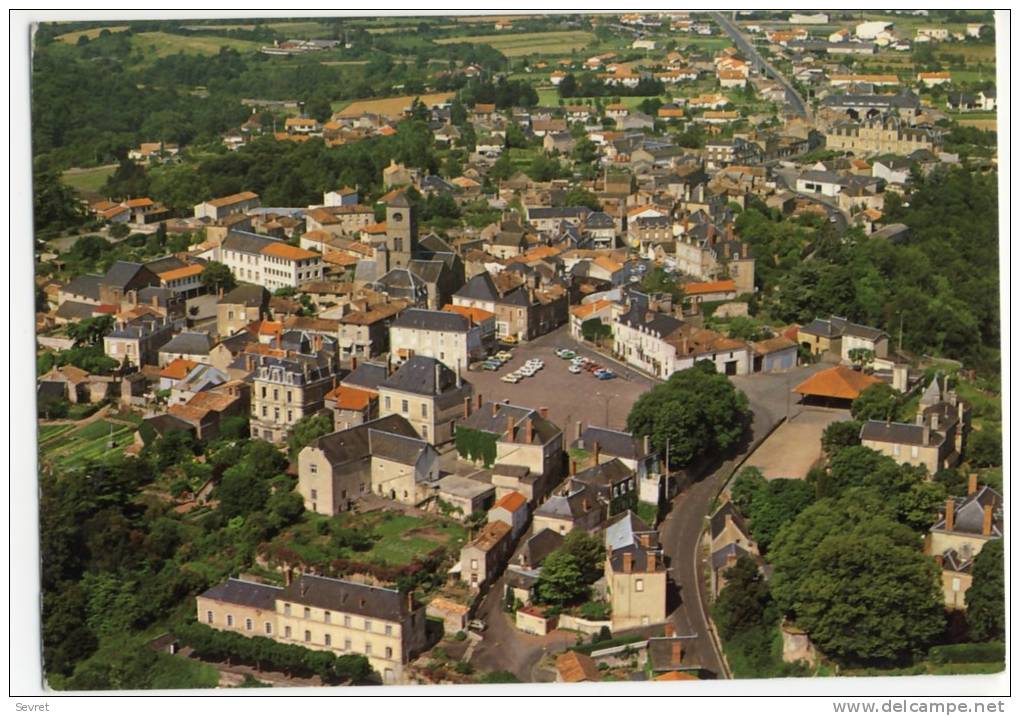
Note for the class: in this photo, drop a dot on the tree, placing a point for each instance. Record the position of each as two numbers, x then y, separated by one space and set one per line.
697 410
216 276
985 447
744 603
568 86
594 329
561 580
306 430
863 467
986 598
770 504
119 231
55 205
839 435
498 677
866 599
861 357
589 553
657 280
579 196
90 331
876 402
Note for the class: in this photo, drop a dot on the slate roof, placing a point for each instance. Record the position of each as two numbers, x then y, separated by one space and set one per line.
245 593
611 442
424 320
246 295
187 342
653 321
898 433
121 273
722 555
366 375
354 443
625 530
603 476
346 597
75 310
570 505
247 242
483 419
87 285
397 448
969 513
640 559
418 375
718 520
539 546
428 270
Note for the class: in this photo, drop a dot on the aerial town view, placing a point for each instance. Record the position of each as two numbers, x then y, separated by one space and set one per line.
494 349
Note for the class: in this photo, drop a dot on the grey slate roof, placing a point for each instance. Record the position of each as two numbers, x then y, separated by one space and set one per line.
625 530
718 521
75 310
653 321
722 555
483 419
87 285
540 545
425 320
245 593
603 476
247 242
895 433
428 270
346 597
122 273
246 295
611 442
366 375
418 375
969 513
192 343
570 505
354 444
398 448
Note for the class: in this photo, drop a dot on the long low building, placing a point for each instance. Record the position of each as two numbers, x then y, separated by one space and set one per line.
325 614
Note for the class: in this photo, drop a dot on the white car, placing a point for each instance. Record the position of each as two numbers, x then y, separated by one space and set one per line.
574 368
511 378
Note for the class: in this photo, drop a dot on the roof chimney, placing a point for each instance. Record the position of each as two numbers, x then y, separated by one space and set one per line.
628 562
529 431
573 467
676 654
354 362
950 515
410 601
495 408
646 444
544 412
651 561
972 483
580 431
467 407
458 374
986 525
596 448
668 630
155 301
478 404
438 366
510 428
304 588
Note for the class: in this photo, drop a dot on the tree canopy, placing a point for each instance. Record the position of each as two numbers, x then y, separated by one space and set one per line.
986 598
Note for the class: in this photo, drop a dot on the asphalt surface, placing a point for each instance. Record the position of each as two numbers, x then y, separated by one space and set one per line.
740 40
680 532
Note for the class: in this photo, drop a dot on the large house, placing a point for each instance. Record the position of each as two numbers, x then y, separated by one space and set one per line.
840 336
269 262
216 209
451 338
522 312
345 617
429 395
384 457
635 573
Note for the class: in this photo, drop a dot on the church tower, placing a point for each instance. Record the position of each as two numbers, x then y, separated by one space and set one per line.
401 233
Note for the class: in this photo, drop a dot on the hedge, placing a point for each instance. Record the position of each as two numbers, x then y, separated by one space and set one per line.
968 653
268 655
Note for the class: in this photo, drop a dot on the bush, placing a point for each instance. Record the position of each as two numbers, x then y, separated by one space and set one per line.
595 610
460 636
992 651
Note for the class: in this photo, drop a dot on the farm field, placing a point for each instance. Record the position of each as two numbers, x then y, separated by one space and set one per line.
163 44
68 444
529 43
91 33
90 179
391 106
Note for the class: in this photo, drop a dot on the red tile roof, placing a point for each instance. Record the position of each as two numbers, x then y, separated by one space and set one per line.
839 382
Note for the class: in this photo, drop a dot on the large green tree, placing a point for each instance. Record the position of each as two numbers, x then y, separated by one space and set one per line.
876 402
561 581
216 276
698 411
744 603
308 429
770 504
986 598
589 553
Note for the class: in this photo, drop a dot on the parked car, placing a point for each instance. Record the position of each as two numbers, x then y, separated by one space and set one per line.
511 378
476 625
504 356
604 374
491 365
508 340
565 353
575 369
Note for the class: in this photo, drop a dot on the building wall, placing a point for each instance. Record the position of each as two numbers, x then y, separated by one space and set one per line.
556 524
452 348
940 541
637 598
954 588
230 318
912 454
238 618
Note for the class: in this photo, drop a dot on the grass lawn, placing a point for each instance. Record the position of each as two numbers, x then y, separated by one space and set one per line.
522 158
163 44
647 512
91 179
528 43
69 447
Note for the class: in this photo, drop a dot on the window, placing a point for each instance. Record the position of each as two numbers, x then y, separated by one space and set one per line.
347 645
368 625
895 449
288 396
389 652
639 585
308 635
308 613
403 406
389 630
286 609
327 617
286 632
290 416
347 620
474 564
248 625
913 451
276 394
264 413
424 410
230 620
328 640
208 617
313 468
387 402
368 649
956 584
269 628
389 676
315 496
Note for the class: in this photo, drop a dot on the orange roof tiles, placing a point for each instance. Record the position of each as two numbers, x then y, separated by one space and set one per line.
697 289
182 272
387 131
676 676
338 258
379 228
139 203
575 667
233 199
351 398
288 252
210 400
586 309
839 382
511 501
477 315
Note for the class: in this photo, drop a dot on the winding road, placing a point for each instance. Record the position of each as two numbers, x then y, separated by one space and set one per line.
744 45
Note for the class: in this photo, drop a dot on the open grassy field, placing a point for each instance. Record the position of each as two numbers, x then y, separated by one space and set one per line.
92 33
65 445
391 106
162 44
529 43
89 179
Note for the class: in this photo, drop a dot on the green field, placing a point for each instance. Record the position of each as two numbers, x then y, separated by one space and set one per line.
91 179
92 33
163 44
66 445
529 43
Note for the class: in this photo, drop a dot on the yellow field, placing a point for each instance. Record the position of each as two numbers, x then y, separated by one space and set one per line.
392 106
528 43
92 33
492 18
986 124
162 44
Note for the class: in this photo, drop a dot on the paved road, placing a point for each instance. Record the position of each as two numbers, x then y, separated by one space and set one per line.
742 44
680 531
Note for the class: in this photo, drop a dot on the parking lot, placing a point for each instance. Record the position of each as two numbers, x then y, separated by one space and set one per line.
796 445
568 397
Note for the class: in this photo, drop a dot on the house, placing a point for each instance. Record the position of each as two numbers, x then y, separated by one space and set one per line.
288 384
216 209
774 354
710 291
825 183
75 385
840 336
384 457
614 482
868 30
524 449
465 496
934 79
935 440
240 307
190 345
522 312
668 660
573 667
635 574
271 263
136 339
302 125
881 135
365 332
965 526
449 337
147 151
396 174
511 508
323 613
429 395
605 444
573 505
483 558
558 142
729 539
539 546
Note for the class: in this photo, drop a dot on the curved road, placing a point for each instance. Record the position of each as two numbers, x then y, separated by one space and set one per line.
742 44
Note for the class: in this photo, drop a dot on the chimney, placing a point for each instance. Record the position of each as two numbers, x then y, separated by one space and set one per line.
580 431
934 421
317 342
687 224
510 428
438 373
573 467
668 630
155 301
651 561
478 404
529 431
304 588
986 526
729 232
410 601
544 412
249 362
467 407
676 654
726 250
711 232
628 562
972 483
596 452
729 519
950 515
288 576
646 444
458 374
354 363
939 560
495 408
219 292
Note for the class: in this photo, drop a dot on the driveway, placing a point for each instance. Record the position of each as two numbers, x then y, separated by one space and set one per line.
795 446
680 531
